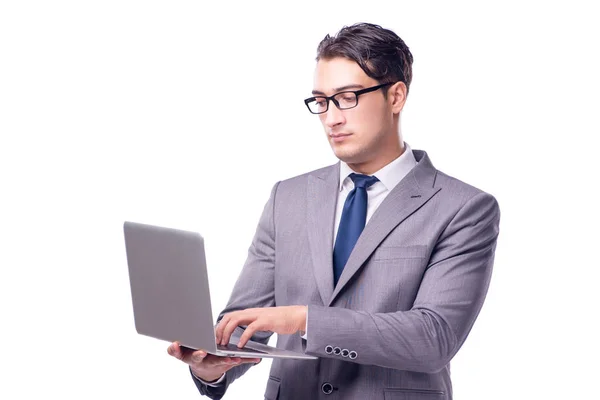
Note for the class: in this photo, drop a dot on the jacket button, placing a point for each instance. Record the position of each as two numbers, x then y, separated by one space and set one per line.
327 388
345 352
337 351
353 355
328 349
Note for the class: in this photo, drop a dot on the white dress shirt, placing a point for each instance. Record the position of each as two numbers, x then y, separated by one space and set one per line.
389 176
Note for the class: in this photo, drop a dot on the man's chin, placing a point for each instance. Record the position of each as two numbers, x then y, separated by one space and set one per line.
349 157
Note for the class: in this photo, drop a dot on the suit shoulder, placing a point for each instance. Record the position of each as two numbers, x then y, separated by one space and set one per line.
459 190
300 180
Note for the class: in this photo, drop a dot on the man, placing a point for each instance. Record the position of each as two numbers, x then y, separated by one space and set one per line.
378 265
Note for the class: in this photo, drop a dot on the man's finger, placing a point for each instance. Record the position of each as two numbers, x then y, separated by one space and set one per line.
248 333
175 351
226 361
251 360
198 356
220 326
228 330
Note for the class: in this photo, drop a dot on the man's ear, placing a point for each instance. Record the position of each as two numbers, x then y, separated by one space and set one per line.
397 95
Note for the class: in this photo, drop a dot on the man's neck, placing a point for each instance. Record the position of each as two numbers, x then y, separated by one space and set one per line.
370 167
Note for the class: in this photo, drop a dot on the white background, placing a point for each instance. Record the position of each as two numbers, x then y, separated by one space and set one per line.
184 114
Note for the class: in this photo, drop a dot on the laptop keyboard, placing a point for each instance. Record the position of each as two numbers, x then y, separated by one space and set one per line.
233 347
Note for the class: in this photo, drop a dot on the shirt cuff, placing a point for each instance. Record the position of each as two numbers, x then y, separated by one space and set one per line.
213 384
304 335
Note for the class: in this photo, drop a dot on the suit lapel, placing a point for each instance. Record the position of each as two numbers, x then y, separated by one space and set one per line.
407 197
322 193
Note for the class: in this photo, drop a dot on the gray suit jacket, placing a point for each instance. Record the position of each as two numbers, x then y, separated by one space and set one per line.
405 302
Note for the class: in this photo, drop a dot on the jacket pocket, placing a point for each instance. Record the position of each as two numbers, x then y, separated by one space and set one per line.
272 391
412 394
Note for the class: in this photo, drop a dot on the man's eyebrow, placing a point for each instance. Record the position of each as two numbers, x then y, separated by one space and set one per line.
340 89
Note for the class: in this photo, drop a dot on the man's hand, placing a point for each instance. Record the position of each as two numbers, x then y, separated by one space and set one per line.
207 366
283 320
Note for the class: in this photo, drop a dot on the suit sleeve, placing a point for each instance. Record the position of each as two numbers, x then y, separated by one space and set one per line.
451 294
254 288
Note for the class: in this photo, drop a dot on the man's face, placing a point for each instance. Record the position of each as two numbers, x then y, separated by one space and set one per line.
361 134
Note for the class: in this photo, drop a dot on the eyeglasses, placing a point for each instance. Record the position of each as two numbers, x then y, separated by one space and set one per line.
342 100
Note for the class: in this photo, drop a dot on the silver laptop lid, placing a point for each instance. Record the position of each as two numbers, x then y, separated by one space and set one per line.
169 285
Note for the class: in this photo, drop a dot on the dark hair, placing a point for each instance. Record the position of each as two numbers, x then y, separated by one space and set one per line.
378 51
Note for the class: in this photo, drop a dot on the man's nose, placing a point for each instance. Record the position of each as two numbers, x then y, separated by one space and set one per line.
334 116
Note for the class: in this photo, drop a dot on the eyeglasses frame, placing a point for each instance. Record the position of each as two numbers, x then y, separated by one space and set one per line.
337 104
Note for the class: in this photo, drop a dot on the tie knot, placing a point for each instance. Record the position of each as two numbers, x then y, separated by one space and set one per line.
363 181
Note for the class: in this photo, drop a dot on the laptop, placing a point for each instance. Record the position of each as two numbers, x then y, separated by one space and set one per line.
171 296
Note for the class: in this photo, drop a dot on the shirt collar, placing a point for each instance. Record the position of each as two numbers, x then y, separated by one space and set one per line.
391 174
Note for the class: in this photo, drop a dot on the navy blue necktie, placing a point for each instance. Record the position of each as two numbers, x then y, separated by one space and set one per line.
352 222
